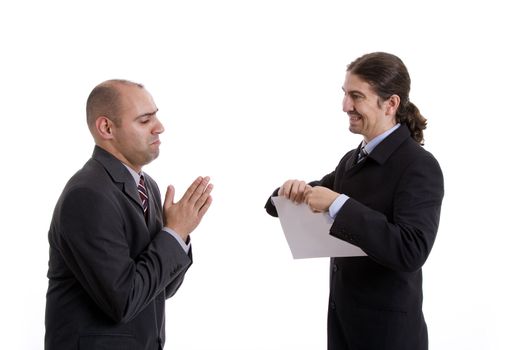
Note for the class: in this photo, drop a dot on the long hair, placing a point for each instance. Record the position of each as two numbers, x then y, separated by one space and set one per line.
387 75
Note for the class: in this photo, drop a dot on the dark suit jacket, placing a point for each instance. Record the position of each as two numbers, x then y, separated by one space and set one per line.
393 215
109 272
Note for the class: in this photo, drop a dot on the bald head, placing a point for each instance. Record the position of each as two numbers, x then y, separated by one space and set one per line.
105 100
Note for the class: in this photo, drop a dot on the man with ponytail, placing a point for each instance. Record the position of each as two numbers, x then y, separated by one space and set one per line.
385 197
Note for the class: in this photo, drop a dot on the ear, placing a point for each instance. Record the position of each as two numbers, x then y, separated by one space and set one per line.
392 104
103 127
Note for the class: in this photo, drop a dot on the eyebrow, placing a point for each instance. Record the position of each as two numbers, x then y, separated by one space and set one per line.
352 91
147 114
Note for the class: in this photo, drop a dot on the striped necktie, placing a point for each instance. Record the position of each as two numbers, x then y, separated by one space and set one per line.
362 154
143 193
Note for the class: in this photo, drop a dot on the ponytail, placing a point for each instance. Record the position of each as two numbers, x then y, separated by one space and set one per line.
410 116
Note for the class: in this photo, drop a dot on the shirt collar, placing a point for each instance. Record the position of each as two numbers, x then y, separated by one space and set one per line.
136 176
369 147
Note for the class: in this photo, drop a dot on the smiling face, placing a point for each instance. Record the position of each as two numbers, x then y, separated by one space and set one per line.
368 114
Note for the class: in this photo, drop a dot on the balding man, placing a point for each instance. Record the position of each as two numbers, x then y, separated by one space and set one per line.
116 254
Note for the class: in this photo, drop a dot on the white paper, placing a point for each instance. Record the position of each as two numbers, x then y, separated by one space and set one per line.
308 234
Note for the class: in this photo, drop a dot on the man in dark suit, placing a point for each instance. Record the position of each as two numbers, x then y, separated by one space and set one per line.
116 254
385 197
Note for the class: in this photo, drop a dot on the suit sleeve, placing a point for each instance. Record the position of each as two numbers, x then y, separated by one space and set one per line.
327 181
269 206
404 242
175 284
93 243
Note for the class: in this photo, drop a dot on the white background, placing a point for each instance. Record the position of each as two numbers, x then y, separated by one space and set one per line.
250 93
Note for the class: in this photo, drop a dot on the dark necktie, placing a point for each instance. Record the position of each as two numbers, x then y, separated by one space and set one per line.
143 193
362 154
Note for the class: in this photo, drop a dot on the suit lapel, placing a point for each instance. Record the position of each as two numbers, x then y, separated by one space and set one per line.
118 172
351 163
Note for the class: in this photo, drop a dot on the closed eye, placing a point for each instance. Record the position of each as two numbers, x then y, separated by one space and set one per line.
144 119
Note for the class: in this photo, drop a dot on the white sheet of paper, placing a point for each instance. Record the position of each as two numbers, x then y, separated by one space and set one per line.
307 233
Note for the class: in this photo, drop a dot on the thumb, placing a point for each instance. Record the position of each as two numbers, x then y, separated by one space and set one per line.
170 195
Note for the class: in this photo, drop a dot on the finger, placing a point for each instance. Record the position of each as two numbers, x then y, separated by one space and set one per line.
300 195
187 195
293 190
202 199
307 190
168 198
307 195
285 189
298 189
199 190
205 207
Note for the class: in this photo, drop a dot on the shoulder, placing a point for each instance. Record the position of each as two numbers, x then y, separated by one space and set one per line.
411 162
88 196
92 175
91 183
416 164
422 155
412 151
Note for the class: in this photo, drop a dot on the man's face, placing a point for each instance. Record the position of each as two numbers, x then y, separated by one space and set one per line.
136 137
367 113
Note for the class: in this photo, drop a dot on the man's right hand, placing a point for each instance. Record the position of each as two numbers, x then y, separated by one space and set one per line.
294 190
185 215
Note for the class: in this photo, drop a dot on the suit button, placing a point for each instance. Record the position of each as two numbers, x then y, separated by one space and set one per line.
332 305
334 267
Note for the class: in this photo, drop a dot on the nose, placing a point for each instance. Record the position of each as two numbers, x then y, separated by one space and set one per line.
348 104
159 128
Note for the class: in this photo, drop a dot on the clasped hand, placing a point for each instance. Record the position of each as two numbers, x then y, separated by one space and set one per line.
318 198
185 215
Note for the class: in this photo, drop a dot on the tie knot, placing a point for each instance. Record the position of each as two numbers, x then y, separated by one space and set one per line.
362 154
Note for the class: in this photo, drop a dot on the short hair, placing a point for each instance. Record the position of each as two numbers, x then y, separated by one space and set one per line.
388 75
105 99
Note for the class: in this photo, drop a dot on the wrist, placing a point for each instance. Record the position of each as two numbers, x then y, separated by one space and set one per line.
178 230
